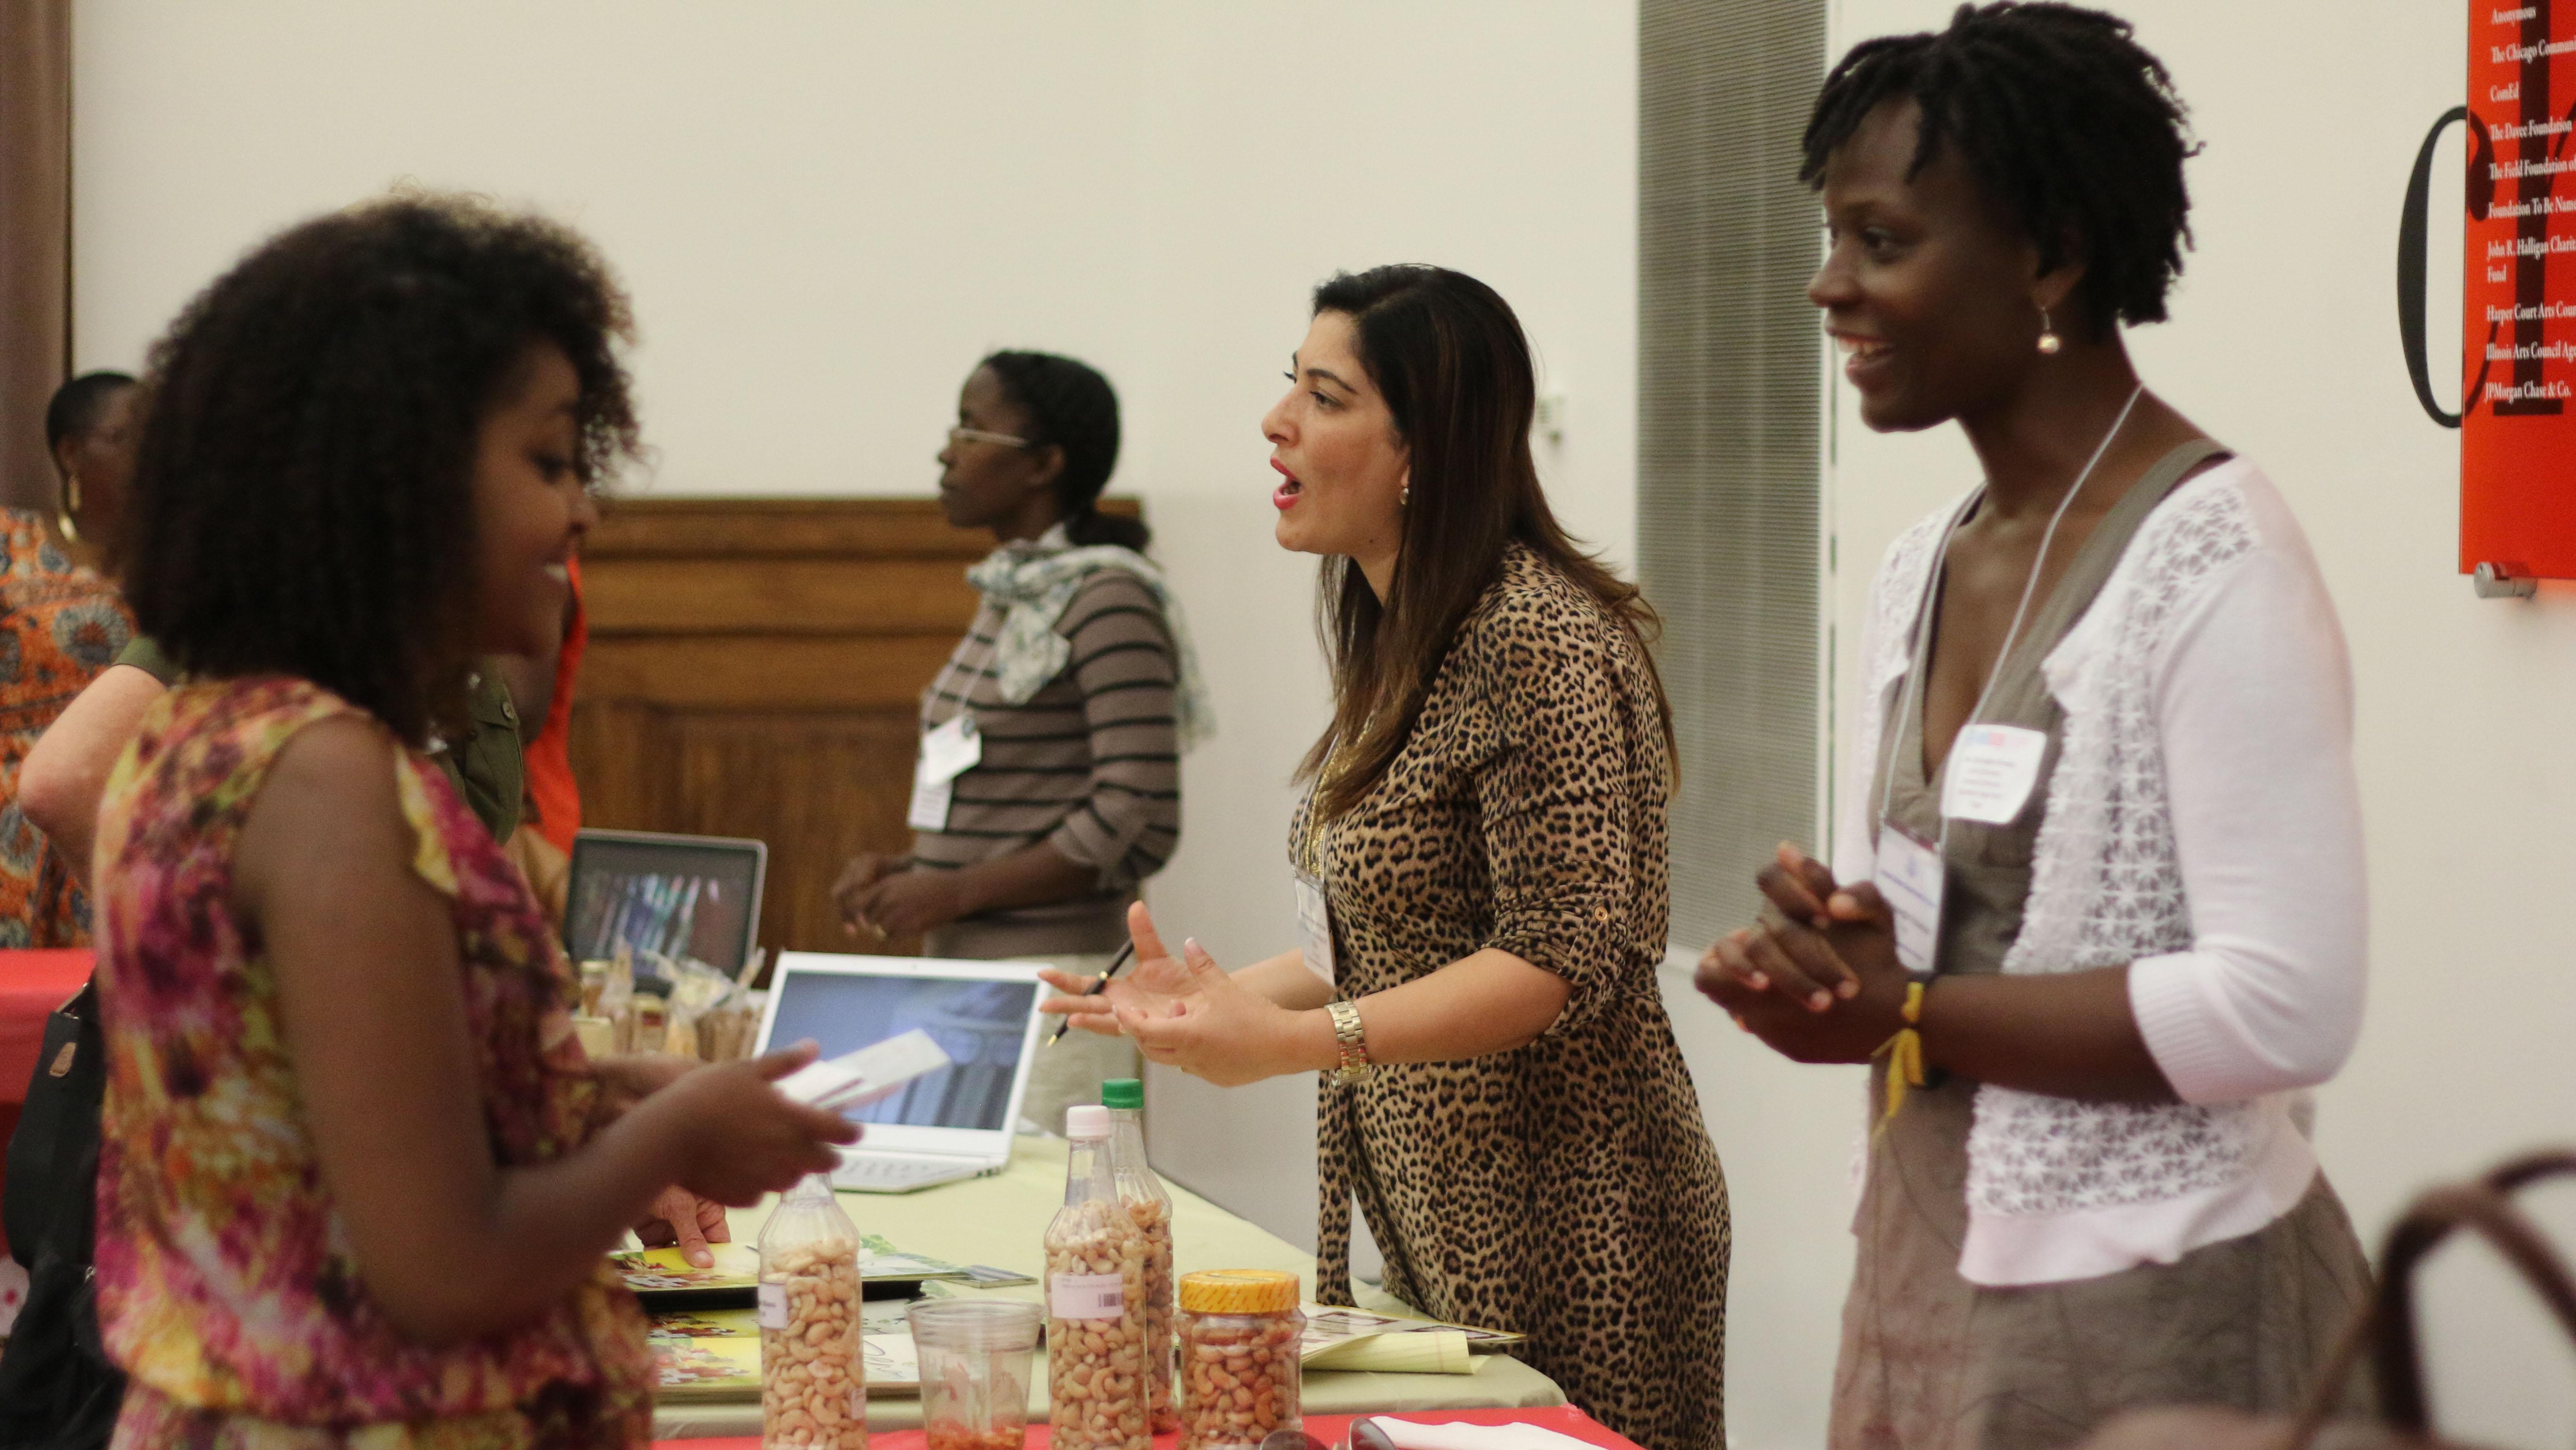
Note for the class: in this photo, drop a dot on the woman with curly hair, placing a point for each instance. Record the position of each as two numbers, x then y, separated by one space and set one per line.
356 1175
2096 908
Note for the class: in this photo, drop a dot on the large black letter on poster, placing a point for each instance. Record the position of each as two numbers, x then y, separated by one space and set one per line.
2411 225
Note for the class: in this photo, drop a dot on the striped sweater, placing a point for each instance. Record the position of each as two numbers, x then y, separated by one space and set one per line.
1089 765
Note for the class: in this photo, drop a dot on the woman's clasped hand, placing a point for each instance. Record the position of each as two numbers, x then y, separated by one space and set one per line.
1816 978
880 893
1185 1011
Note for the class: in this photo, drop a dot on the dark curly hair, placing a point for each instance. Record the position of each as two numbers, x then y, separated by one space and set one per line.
1072 407
2069 124
303 489
76 405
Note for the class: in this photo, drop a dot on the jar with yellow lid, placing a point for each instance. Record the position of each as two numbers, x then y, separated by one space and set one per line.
1240 1332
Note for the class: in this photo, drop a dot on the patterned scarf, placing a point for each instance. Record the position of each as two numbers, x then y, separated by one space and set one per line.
1035 582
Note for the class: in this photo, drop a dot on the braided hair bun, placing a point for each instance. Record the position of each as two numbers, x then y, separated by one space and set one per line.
1072 407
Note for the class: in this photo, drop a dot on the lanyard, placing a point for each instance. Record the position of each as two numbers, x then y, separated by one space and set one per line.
1923 615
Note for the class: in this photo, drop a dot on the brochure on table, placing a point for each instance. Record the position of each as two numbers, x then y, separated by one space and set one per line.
714 1354
1355 1339
656 1274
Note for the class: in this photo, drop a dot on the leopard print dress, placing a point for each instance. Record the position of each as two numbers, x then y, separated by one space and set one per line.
1566 1189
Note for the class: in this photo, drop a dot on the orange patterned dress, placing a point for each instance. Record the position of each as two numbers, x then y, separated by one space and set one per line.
227 1288
60 624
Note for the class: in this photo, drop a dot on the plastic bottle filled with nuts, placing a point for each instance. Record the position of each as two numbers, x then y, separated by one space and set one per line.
1095 1288
1151 1207
1240 1372
813 1376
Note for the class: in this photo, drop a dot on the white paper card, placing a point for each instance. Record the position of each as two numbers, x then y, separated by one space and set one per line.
1990 772
1315 929
1414 1435
1910 876
946 753
856 1079
773 1306
1086 1296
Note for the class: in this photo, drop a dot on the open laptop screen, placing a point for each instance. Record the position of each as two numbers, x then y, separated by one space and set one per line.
979 1024
692 896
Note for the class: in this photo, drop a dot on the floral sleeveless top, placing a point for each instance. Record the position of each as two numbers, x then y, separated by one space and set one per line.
227 1288
60 624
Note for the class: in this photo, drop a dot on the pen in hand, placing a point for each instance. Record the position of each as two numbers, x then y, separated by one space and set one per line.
1098 985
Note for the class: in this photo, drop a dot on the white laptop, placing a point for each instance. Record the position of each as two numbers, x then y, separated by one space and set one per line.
945 1125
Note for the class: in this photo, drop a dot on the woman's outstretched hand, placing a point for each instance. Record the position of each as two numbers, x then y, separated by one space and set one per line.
1204 1022
1158 981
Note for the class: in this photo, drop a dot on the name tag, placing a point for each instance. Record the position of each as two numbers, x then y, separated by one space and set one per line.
1990 773
1910 875
946 753
1315 929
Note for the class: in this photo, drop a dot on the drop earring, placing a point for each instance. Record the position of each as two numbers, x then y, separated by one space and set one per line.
69 506
1404 494
2049 342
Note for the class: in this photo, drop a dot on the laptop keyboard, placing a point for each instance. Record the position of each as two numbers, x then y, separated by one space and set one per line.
892 1175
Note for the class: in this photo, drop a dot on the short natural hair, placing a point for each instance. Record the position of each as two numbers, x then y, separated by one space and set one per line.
2066 122
303 491
76 405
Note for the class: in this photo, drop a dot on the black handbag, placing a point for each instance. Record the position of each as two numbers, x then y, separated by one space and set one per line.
58 1390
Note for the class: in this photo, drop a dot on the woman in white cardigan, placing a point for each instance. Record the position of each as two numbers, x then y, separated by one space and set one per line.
2096 907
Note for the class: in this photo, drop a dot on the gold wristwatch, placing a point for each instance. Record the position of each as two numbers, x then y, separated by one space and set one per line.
1353 1041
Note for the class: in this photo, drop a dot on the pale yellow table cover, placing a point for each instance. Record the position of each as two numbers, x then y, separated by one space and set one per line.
999 1221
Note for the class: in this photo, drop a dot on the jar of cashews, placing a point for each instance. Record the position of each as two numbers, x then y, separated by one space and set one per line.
1239 1377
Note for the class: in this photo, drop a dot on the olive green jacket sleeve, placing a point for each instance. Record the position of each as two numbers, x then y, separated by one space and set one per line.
486 767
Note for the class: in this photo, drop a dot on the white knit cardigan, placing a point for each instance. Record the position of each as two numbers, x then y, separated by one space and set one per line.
2060 1189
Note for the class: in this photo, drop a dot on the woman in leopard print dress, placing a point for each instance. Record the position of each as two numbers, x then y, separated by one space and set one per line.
1482 859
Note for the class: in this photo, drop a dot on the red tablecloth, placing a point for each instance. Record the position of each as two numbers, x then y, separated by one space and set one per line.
32 985
1565 1419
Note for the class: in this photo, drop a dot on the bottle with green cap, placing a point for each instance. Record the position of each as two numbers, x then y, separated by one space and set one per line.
1150 1206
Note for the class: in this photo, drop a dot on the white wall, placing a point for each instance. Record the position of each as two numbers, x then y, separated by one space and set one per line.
2284 343
826 211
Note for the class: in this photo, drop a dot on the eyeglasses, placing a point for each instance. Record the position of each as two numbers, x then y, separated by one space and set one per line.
979 435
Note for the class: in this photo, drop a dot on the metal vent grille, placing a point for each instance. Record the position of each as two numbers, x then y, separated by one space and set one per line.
1729 407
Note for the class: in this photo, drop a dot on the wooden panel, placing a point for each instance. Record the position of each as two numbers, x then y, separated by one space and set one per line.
873 528
827 787
883 528
781 671
670 595
754 670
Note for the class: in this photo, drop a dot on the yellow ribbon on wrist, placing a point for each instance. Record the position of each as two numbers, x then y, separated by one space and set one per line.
1904 1053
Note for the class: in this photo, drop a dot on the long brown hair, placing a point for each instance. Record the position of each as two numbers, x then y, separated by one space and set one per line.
1449 357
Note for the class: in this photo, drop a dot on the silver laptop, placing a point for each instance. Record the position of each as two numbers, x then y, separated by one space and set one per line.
681 896
942 1126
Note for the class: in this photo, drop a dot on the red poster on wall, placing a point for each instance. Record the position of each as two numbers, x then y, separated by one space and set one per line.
2518 412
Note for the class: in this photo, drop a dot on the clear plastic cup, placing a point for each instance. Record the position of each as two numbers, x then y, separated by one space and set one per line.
975 1361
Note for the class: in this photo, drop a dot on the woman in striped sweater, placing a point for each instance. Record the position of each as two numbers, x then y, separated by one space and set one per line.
1048 786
